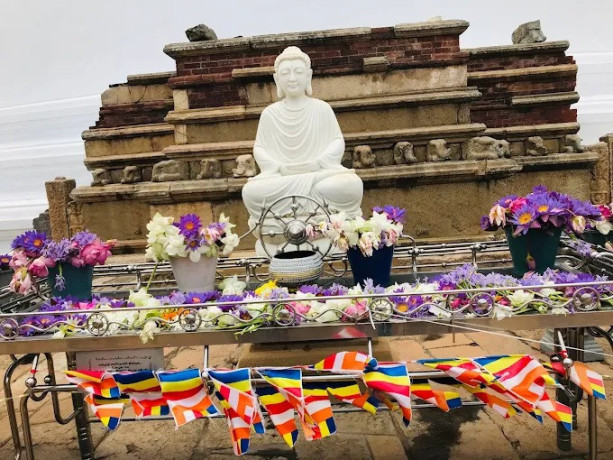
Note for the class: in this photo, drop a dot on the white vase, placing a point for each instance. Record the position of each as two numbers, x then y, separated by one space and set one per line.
194 276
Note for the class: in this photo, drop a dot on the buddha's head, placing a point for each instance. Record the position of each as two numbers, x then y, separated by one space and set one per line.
293 73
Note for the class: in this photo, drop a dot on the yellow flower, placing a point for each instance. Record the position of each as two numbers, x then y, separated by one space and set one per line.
264 289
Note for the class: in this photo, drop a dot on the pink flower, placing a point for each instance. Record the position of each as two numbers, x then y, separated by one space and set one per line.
354 311
77 262
301 308
19 259
516 204
21 282
84 305
95 253
38 267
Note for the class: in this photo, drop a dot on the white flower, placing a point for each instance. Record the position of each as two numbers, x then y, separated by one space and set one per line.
210 314
603 226
232 285
150 328
502 311
559 311
520 297
142 299
439 312
230 242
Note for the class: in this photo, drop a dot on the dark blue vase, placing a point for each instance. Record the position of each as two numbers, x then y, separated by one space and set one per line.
77 281
376 267
534 251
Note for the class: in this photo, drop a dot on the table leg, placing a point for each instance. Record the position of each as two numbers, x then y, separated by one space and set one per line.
84 435
592 428
25 427
563 436
10 404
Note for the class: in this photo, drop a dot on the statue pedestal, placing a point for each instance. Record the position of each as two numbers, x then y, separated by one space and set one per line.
304 353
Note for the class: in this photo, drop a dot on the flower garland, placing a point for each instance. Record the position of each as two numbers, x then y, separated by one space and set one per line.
234 307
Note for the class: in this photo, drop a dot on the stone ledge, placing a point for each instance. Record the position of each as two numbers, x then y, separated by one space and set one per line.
221 150
561 70
531 48
150 78
156 129
214 115
104 193
520 132
557 159
425 29
253 72
277 40
569 97
134 159
177 50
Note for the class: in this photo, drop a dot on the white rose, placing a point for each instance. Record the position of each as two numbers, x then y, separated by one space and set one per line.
520 297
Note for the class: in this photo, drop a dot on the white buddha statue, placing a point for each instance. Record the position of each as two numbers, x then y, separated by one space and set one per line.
299 147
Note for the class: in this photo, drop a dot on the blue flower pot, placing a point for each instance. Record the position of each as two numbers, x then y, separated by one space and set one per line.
78 281
5 277
376 267
595 237
534 251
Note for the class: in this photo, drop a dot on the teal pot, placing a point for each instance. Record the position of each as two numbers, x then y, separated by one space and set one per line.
78 281
595 237
376 267
534 251
5 277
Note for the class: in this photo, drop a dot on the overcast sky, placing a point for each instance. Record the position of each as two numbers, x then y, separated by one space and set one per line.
59 49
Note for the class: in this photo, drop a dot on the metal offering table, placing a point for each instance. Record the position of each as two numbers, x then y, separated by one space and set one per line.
381 320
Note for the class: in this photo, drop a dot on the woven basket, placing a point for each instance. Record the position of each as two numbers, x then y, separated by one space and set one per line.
296 268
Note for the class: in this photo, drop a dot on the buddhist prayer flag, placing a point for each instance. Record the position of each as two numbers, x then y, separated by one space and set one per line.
461 369
392 379
346 361
522 375
319 409
444 400
233 389
351 393
499 405
108 411
587 379
557 411
186 395
281 413
99 383
144 391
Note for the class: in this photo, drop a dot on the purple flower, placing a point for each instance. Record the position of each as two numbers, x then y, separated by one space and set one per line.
370 288
189 225
506 201
335 290
393 213
32 242
309 289
540 189
230 298
486 224
200 297
193 243
46 321
525 219
4 261
84 238
120 303
28 321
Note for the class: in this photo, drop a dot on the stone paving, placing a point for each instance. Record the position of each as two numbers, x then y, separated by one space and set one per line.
470 432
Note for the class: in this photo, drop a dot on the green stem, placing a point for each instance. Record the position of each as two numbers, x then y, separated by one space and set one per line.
151 277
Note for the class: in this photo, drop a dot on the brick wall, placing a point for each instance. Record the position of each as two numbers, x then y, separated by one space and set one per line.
495 108
208 77
112 116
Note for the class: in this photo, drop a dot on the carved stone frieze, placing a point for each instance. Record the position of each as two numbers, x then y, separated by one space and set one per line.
210 168
101 176
245 166
438 150
131 174
403 153
363 157
572 144
76 222
170 170
486 148
535 146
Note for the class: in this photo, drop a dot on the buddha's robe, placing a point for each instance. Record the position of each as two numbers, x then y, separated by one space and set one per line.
299 152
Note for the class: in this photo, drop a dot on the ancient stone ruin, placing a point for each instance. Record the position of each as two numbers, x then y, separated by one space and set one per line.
440 130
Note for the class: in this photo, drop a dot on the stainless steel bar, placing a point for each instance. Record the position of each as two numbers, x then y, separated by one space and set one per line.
25 427
10 403
592 419
84 436
50 380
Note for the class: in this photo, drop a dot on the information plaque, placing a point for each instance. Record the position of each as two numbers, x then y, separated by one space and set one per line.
121 360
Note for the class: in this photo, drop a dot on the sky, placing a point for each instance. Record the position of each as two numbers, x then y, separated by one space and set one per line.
62 49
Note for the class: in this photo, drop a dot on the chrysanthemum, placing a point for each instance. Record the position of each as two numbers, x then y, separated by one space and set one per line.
32 241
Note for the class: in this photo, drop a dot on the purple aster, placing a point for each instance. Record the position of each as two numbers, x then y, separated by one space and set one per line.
540 189
309 289
60 251
189 225
581 247
370 288
176 298
200 297
335 290
193 243
120 303
45 321
230 298
84 238
28 321
486 225
585 209
279 294
32 242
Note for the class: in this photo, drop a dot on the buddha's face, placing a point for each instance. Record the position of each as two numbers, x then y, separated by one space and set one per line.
293 77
